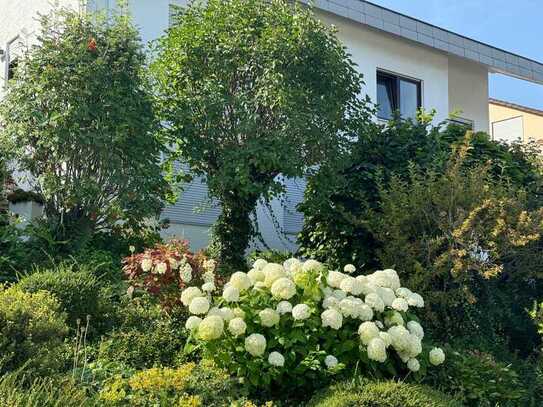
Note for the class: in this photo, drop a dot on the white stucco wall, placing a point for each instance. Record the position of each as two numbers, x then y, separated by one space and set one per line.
20 18
468 91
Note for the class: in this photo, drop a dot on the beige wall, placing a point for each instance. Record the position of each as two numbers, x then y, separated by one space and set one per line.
532 123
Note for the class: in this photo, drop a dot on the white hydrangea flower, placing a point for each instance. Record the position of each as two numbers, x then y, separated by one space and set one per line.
276 359
230 294
241 281
393 278
357 287
394 318
239 313
215 311
437 356
413 365
367 288
199 305
256 275
190 293
362 279
291 264
330 302
227 314
400 338
415 300
237 326
146 264
400 304
208 287
332 318
161 268
415 346
386 338
273 272
269 317
364 312
404 292
339 294
347 284
349 268
367 331
385 278
193 322
330 361
283 288
301 312
387 295
377 350
415 329
312 265
335 278
255 344
284 307
348 307
375 302
259 264
211 327
185 272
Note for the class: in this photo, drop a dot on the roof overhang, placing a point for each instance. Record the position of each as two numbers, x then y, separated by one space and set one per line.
386 20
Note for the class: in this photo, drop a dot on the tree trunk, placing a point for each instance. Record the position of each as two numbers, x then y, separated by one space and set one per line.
233 231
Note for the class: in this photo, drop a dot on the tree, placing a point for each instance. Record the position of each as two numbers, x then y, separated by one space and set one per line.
251 90
81 116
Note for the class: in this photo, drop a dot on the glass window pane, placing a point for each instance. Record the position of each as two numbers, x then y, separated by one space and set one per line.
409 99
385 97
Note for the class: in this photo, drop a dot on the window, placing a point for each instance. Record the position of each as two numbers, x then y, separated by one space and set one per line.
397 94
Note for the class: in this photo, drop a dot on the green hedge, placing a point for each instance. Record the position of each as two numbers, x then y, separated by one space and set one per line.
77 291
32 332
382 394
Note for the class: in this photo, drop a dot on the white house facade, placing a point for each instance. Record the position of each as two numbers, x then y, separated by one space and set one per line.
407 64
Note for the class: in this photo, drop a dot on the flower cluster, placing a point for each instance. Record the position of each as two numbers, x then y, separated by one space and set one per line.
276 319
166 269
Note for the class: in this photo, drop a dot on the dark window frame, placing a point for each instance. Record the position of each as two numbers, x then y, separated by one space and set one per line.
396 99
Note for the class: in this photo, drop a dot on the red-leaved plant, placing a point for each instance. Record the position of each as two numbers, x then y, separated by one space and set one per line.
166 269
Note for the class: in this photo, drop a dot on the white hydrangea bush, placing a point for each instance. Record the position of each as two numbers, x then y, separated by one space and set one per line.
297 322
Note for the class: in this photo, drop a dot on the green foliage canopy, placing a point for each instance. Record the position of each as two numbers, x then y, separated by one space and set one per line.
81 119
251 90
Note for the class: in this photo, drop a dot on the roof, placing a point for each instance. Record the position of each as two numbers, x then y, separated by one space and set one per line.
515 106
392 22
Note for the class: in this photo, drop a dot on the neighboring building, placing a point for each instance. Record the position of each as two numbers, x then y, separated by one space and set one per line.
407 64
510 122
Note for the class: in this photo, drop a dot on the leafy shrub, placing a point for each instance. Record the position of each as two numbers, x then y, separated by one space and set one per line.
164 270
479 379
32 329
187 385
461 237
338 198
77 291
106 177
41 392
296 325
144 336
382 394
